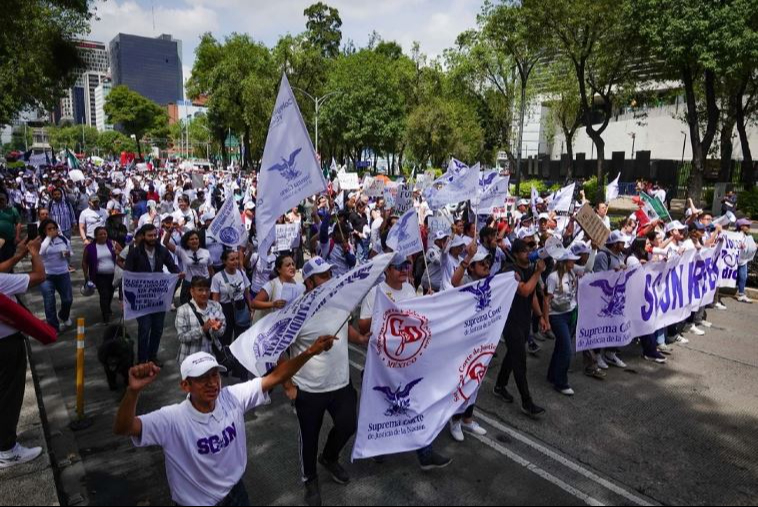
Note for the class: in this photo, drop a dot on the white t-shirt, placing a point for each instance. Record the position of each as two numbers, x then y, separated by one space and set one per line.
329 371
288 292
206 454
52 252
105 262
232 291
92 219
449 265
195 263
10 285
564 294
396 296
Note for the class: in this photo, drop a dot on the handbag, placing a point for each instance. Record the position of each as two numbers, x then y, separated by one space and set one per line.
222 352
241 312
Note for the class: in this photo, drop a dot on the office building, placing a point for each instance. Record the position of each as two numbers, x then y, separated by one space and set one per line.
77 105
151 67
101 92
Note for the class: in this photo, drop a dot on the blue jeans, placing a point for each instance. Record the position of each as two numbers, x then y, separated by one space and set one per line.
564 328
150 331
62 285
741 279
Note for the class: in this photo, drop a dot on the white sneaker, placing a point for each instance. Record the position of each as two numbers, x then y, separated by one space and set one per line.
19 455
567 392
697 331
744 299
69 323
682 340
456 431
601 362
720 306
614 360
473 428
706 324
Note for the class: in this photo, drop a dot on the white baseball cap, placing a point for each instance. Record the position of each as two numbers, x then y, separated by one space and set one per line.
315 266
441 235
199 364
458 241
481 254
580 248
676 225
616 237
208 215
250 205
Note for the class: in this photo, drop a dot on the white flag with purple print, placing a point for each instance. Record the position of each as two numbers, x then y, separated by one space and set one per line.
426 361
405 236
227 227
260 347
290 171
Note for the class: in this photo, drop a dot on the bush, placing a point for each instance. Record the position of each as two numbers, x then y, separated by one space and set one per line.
591 188
526 188
747 202
708 195
15 165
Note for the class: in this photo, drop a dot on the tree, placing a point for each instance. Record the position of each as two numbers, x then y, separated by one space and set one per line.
324 29
78 138
565 105
696 42
113 143
38 55
597 37
516 30
135 114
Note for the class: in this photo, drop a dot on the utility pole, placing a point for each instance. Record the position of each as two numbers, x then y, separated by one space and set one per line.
318 102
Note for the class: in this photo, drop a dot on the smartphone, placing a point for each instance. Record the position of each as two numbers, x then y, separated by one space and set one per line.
32 231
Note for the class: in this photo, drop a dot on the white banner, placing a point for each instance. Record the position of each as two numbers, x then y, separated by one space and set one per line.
453 189
612 190
373 187
616 307
227 227
260 347
440 222
563 199
403 200
390 194
405 236
426 361
290 171
348 181
493 196
147 293
423 181
729 260
287 237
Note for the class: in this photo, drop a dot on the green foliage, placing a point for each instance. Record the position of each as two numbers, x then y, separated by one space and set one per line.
74 137
38 55
113 143
15 165
324 29
137 115
747 202
526 188
591 189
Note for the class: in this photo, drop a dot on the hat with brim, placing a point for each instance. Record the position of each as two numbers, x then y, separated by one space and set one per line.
676 225
315 266
481 255
199 364
441 235
616 237
458 241
744 222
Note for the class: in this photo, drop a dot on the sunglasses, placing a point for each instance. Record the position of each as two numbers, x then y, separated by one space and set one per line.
406 266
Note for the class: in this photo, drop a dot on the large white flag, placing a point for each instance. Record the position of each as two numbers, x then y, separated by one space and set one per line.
563 199
227 227
453 189
405 236
259 348
612 190
290 171
535 196
493 196
426 361
147 293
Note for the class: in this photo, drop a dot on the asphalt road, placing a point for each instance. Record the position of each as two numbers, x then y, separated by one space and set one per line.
683 433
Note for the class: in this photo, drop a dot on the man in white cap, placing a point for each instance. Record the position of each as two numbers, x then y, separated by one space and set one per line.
90 219
204 438
434 256
611 258
451 260
322 386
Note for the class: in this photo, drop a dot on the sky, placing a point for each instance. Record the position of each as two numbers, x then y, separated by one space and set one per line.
435 24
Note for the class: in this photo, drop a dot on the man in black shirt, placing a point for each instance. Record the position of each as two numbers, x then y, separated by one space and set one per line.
517 328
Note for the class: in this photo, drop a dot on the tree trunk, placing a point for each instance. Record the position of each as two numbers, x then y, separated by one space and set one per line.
600 147
695 188
139 148
727 148
748 170
570 151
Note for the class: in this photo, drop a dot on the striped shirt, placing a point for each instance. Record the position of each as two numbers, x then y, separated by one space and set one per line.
63 215
192 339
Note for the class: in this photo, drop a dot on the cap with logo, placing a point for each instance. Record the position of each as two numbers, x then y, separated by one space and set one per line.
616 237
198 365
315 266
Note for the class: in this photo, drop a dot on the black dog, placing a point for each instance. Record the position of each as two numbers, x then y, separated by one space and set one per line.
116 355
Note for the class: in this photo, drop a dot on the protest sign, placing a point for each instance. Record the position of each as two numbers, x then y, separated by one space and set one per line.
147 293
348 181
403 200
593 225
287 237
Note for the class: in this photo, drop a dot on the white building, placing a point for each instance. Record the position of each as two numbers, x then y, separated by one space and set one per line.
101 92
78 104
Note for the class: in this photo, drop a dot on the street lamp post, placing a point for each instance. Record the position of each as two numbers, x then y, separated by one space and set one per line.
318 101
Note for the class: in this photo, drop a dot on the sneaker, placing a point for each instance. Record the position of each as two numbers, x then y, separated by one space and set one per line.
707 324
435 461
597 373
656 359
681 340
18 456
455 431
566 392
720 306
339 475
533 348
601 362
503 393
665 349
532 410
312 493
697 331
613 359
744 299
474 428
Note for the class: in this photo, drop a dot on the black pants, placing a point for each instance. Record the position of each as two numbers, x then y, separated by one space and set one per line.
232 330
12 387
515 359
342 405
104 284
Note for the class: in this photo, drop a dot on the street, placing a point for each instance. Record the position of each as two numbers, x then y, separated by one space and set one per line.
681 433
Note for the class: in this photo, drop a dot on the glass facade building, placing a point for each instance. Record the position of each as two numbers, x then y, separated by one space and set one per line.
151 67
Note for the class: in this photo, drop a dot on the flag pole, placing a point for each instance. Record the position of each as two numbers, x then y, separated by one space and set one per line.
426 263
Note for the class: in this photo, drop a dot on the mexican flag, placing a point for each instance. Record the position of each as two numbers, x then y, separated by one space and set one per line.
71 160
655 208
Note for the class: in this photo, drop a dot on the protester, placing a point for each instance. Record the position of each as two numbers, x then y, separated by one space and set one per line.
56 251
199 323
195 260
747 255
282 289
62 212
231 288
13 354
99 267
10 228
90 219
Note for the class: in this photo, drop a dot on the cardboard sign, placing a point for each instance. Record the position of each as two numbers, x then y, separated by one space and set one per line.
403 200
348 181
287 237
373 187
424 181
593 225
440 222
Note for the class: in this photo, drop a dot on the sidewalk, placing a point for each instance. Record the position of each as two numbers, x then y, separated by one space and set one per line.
32 483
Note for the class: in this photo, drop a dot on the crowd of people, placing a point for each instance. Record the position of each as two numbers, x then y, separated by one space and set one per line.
158 221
